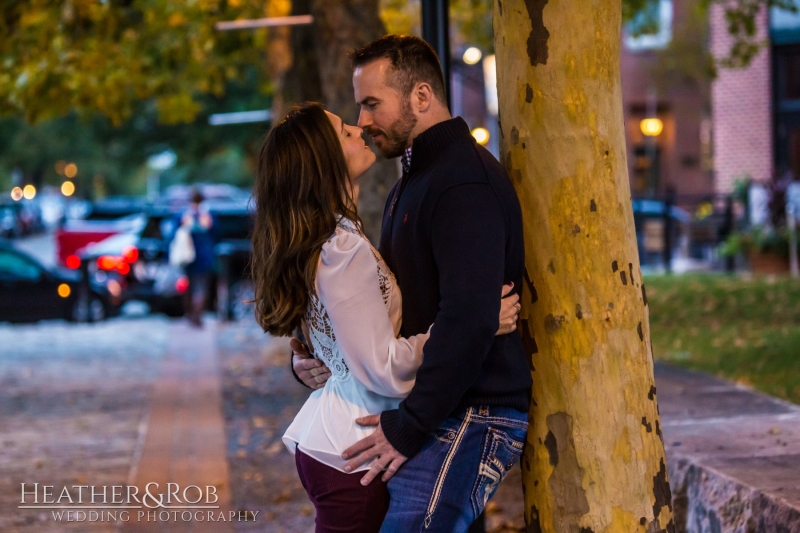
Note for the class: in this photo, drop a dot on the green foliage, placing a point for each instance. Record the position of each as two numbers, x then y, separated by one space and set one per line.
118 152
745 329
757 239
740 18
641 16
401 16
471 24
686 60
106 56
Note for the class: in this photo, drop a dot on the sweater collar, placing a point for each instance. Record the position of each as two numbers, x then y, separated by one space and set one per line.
431 143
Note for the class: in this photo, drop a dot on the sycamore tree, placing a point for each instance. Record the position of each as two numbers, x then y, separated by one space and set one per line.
594 459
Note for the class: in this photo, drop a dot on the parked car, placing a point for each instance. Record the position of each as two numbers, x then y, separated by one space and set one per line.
30 292
138 260
21 218
77 234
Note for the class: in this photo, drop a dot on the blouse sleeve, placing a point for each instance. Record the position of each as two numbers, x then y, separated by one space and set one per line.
348 288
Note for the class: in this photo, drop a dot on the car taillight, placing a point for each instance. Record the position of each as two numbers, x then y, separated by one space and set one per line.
182 284
113 263
130 254
73 262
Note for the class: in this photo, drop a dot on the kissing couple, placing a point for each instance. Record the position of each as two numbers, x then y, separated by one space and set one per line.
421 384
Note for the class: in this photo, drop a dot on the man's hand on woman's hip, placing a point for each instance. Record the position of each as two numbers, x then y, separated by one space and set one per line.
377 447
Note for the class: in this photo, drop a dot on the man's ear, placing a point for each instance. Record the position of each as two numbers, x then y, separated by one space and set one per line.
422 96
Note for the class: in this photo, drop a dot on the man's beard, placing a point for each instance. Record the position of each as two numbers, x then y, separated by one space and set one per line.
396 136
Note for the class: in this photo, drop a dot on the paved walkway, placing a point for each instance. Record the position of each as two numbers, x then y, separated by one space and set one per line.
72 398
182 440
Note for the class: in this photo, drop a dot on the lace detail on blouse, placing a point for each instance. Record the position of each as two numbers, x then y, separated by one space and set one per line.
323 338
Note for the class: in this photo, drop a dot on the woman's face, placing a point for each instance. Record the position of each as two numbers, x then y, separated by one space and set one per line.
356 152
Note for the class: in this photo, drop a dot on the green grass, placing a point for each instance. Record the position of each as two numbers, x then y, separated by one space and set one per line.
744 329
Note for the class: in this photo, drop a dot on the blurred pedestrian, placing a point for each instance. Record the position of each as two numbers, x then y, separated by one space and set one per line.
199 223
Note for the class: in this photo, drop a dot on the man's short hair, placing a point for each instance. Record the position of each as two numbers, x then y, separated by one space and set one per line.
412 59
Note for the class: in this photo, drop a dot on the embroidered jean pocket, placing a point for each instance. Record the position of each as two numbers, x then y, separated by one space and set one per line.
501 450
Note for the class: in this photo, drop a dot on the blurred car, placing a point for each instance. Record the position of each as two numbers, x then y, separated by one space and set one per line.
77 234
21 218
30 292
138 260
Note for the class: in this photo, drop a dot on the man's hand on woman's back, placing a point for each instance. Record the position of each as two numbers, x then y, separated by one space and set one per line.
312 372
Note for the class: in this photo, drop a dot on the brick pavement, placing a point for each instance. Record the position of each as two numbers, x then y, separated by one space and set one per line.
183 439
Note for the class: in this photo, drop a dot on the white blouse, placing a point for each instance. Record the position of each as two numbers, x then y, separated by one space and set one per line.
353 321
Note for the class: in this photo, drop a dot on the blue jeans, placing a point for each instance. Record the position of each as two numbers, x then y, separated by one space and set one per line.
447 484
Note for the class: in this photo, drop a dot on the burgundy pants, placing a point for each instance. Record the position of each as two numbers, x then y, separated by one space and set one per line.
343 505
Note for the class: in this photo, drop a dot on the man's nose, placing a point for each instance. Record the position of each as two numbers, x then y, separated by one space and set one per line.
364 119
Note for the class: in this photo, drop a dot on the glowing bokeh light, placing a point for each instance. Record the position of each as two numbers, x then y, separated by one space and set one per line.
481 135
652 127
71 170
472 55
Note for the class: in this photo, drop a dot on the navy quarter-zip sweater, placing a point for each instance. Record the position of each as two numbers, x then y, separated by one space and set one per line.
452 235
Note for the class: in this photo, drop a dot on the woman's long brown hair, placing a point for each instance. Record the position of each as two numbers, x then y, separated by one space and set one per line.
301 188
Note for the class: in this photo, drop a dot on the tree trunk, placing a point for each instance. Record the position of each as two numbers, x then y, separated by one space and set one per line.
594 459
301 81
341 26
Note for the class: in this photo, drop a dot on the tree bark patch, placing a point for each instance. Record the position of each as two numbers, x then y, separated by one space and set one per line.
565 482
537 41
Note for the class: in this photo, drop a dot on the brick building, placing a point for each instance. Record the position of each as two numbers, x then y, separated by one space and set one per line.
756 110
678 158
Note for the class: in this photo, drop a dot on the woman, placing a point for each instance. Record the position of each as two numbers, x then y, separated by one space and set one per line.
199 222
312 264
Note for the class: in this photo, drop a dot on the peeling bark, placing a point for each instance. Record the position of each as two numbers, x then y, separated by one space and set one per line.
598 463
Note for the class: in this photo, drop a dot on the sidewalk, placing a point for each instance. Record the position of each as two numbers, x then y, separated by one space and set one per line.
182 439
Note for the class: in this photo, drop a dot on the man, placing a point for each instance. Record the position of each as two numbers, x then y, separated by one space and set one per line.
452 235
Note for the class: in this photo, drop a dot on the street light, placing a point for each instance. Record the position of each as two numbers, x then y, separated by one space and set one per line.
652 127
67 188
29 192
472 55
16 194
